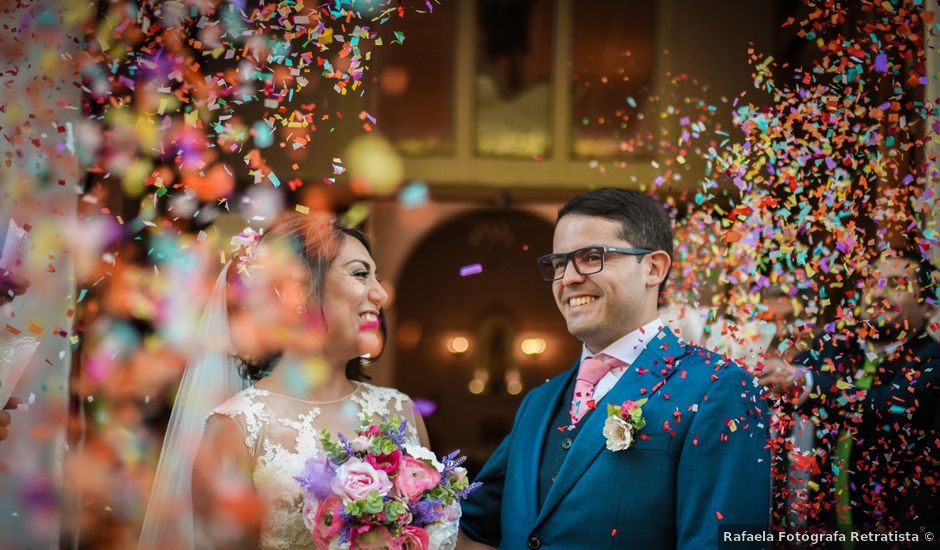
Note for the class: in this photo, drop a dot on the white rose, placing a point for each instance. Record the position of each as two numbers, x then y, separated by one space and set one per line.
442 535
451 513
419 452
361 443
618 434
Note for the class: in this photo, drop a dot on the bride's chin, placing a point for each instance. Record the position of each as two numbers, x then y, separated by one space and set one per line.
370 343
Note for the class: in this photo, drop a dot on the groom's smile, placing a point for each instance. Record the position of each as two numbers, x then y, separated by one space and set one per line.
598 307
578 301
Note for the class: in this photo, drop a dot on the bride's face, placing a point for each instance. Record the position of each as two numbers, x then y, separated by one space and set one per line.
352 299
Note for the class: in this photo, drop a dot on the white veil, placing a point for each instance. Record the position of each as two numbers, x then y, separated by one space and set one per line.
210 379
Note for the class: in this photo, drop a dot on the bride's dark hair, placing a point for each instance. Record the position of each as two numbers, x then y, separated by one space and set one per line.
317 241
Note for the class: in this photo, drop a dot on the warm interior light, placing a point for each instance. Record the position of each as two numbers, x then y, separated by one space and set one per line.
513 382
478 384
458 345
533 346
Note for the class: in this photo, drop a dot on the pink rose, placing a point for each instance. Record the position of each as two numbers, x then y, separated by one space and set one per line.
627 407
370 537
373 431
415 477
412 538
328 523
356 479
387 463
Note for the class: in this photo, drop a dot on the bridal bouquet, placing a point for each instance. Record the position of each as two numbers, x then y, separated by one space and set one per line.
376 491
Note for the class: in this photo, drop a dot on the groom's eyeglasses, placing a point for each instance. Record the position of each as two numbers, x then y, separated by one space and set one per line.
587 261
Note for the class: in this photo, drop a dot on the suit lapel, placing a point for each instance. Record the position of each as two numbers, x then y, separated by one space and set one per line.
544 405
643 379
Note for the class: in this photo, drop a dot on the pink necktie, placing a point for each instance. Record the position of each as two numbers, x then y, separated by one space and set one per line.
590 372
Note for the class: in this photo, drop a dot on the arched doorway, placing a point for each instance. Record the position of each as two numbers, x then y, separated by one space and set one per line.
469 295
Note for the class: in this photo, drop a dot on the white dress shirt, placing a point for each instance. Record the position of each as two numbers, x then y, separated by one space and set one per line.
626 349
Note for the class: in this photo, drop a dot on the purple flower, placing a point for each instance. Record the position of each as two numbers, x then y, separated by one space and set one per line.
344 534
463 493
347 446
398 438
318 473
450 462
425 512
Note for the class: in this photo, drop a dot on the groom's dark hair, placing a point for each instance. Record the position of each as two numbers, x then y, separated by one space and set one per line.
643 221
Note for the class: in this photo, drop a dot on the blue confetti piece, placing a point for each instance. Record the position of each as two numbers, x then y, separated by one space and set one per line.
414 194
264 136
881 63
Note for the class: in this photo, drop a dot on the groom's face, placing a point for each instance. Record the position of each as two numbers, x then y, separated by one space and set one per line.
601 307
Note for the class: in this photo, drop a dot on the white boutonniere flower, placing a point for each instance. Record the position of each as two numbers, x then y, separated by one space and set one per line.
623 423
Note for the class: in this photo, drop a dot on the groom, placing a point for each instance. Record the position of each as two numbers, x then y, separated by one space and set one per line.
700 462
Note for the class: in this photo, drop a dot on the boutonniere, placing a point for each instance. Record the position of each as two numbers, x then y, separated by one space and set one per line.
623 423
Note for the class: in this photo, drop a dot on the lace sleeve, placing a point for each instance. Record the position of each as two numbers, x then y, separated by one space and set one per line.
249 414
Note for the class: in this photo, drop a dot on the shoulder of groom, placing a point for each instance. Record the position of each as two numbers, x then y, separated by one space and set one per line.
714 369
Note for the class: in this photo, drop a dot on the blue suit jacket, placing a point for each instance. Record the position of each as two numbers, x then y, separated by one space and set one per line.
704 462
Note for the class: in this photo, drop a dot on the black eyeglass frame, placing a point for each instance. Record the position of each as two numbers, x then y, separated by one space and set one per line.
603 250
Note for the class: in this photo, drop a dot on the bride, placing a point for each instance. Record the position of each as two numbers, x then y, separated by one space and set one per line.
306 311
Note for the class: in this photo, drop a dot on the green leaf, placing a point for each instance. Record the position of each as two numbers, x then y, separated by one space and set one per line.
613 410
373 504
356 508
382 446
395 508
334 450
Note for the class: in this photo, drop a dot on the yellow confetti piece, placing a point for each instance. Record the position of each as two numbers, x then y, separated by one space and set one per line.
302 209
356 214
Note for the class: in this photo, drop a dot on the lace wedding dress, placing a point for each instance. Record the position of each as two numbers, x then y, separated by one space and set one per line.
282 433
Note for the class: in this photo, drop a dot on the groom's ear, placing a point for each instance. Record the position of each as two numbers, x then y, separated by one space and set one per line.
658 263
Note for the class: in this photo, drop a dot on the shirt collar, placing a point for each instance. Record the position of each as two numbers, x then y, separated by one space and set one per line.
630 345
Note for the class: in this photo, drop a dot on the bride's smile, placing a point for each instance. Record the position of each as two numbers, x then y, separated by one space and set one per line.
353 300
